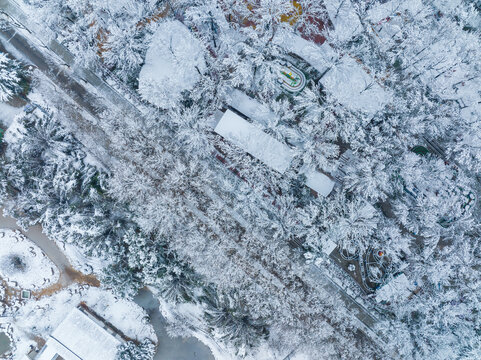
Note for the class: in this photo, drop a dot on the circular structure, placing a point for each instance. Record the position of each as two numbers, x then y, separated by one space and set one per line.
291 78
378 266
24 263
349 252
379 254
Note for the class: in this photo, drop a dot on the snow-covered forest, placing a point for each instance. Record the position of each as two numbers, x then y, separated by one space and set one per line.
359 168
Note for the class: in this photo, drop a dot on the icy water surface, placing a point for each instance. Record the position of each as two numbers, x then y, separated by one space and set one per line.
4 343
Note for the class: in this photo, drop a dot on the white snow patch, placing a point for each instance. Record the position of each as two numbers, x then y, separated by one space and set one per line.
172 64
8 113
300 356
328 246
344 18
319 182
80 261
23 262
397 289
381 12
13 51
14 132
353 87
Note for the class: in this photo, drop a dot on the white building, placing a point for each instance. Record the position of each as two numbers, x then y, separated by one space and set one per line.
253 140
81 336
278 156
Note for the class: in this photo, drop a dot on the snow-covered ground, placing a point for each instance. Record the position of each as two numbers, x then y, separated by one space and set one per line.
396 290
344 18
172 64
380 12
23 262
8 113
42 317
80 261
353 87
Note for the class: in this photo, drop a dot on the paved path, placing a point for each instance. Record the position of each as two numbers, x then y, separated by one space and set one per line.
51 249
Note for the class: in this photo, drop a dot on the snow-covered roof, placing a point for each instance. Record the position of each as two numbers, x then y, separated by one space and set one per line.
353 87
253 140
172 64
319 182
250 107
328 246
79 337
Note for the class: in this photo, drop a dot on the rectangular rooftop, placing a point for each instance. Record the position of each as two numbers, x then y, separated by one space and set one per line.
253 140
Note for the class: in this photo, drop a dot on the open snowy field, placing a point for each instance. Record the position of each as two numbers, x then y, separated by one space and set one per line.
23 262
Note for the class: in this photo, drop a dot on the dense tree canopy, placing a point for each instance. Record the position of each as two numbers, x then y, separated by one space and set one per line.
404 150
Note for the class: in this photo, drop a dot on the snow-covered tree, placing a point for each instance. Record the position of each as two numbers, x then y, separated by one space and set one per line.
9 77
133 351
230 318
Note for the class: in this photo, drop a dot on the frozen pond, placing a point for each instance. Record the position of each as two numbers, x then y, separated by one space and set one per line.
168 349
4 343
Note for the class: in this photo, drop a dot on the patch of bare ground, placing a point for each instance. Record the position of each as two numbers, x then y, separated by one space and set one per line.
71 276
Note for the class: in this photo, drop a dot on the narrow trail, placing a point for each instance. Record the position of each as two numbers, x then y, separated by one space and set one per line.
68 275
